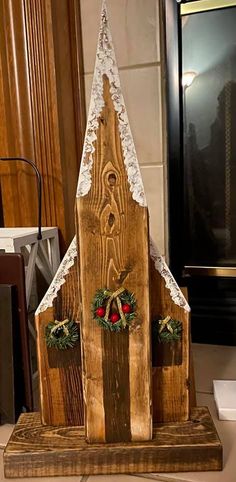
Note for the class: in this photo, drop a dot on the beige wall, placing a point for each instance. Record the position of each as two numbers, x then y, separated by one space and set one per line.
135 30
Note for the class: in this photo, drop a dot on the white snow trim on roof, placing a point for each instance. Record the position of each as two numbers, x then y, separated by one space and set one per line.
161 266
59 278
106 65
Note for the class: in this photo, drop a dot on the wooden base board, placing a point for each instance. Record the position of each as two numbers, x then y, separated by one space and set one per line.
35 450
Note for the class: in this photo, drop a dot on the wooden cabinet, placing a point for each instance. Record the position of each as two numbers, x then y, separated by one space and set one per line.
41 109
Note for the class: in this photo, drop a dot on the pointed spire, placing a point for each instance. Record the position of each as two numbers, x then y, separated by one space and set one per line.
106 65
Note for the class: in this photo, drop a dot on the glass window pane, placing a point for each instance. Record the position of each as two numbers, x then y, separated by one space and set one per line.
209 118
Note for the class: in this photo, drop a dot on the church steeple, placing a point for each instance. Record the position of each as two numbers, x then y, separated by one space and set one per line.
106 66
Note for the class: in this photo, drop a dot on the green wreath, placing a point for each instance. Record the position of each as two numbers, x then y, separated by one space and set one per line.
61 334
167 329
114 311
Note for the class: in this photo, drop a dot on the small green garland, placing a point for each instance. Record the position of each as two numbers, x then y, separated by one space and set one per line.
103 302
61 334
167 329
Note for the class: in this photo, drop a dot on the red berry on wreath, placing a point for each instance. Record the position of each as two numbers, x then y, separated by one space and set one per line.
126 308
114 317
100 311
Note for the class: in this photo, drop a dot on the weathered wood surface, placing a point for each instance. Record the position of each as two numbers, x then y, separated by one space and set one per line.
192 389
171 384
61 397
36 451
114 252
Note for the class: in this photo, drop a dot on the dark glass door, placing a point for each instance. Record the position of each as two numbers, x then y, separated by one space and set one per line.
203 242
209 120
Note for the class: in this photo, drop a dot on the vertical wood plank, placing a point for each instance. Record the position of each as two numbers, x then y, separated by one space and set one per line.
109 221
116 380
171 384
61 393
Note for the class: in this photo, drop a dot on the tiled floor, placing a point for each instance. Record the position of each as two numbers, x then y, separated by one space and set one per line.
210 362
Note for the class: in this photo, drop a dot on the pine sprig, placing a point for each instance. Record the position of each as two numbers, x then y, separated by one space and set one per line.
58 338
100 297
172 331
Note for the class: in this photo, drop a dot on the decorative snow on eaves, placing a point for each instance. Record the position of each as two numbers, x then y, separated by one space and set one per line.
162 268
59 278
106 65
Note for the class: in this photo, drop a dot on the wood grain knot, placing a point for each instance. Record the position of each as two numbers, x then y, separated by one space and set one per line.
111 219
112 179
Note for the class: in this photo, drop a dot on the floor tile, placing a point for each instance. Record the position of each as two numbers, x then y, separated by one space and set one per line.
213 362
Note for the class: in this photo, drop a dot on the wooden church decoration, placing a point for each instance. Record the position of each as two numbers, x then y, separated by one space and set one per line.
171 299
110 201
106 96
